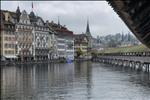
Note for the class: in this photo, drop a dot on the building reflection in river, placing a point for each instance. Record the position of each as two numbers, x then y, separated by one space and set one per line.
75 81
35 82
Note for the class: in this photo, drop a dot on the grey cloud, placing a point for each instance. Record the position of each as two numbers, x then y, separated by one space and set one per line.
74 14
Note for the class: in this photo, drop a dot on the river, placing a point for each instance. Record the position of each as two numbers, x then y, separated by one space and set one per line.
73 81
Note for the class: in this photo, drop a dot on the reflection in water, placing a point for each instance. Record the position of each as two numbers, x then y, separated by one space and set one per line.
76 81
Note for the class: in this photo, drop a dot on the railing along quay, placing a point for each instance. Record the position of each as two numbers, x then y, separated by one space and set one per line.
10 63
136 60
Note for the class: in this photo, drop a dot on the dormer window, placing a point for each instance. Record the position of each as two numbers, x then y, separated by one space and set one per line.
28 22
20 21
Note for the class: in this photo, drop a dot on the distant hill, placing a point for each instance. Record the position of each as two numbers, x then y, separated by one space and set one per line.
137 48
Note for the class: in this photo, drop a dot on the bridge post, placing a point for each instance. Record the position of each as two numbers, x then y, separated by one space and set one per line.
139 65
147 67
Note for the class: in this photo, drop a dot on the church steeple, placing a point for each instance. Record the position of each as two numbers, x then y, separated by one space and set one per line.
58 21
18 13
18 10
88 33
32 15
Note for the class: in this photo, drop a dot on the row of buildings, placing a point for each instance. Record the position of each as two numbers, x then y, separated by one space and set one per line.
27 37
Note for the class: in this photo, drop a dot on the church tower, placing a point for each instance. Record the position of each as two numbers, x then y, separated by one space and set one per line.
89 36
88 33
18 13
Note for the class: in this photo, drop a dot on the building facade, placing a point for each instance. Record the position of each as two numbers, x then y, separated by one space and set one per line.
41 38
24 35
80 44
64 40
7 36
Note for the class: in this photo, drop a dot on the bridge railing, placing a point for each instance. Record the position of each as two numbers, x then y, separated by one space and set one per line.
143 54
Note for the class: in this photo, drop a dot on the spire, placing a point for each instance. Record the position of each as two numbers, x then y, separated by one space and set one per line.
122 37
32 15
88 33
58 21
32 6
18 10
18 13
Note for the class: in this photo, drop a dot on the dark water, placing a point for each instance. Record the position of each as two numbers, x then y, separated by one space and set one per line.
76 81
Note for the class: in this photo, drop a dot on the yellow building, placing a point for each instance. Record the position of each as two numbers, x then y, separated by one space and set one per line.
80 43
8 36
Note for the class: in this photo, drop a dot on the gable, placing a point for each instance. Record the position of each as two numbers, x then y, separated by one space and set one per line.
24 18
40 22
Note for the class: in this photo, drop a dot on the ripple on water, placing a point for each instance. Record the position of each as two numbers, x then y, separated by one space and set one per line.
75 81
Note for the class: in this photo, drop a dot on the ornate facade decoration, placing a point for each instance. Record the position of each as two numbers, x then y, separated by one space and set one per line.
41 38
24 37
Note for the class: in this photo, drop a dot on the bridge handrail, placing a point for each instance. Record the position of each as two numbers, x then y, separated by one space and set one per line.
126 54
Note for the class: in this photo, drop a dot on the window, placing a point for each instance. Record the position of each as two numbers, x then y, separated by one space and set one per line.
61 46
6 38
9 38
20 21
6 45
20 45
12 52
13 45
46 38
9 45
5 51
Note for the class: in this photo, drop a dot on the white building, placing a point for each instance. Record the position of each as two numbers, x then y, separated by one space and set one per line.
61 47
24 37
70 48
41 38
65 46
64 41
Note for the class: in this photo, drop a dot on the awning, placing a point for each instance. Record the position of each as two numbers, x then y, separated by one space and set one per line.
10 56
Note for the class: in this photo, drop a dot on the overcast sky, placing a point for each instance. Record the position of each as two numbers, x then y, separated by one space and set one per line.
74 14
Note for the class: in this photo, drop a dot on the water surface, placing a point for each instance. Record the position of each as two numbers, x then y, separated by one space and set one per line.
74 81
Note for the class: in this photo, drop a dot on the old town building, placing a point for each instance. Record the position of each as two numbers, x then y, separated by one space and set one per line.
81 44
52 43
24 37
7 36
41 38
65 41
